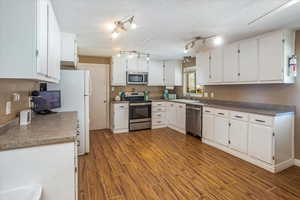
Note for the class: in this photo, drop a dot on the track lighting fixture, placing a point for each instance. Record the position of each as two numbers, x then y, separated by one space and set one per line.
131 54
217 40
121 25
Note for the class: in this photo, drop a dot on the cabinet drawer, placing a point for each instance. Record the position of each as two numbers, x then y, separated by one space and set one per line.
261 119
180 106
221 113
121 106
158 104
208 110
239 116
158 115
158 109
158 122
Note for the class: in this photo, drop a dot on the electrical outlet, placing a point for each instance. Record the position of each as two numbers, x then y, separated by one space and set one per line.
205 94
212 95
8 108
16 97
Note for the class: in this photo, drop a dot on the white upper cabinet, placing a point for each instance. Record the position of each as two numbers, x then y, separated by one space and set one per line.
69 49
173 73
216 66
143 64
38 36
231 65
156 73
202 63
259 60
132 64
248 60
118 70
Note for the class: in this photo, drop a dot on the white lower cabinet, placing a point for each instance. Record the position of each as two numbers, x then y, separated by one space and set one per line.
265 141
261 142
238 136
158 115
221 130
120 117
176 115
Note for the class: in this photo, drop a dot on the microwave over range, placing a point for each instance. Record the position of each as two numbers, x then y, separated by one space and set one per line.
137 78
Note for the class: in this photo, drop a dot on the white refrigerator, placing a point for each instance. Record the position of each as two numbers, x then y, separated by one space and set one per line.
75 92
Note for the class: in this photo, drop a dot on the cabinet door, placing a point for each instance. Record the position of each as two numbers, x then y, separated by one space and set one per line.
180 116
42 37
271 57
202 64
216 65
53 45
156 73
178 73
121 119
118 72
248 58
221 130
231 66
133 64
260 145
68 47
208 127
171 114
169 73
143 64
238 136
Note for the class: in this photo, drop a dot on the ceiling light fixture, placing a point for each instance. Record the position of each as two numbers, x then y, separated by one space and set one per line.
190 45
279 8
120 26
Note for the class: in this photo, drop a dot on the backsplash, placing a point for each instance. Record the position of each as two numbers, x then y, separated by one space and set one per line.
7 88
155 91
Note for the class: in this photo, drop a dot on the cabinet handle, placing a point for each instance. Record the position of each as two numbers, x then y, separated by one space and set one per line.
121 106
207 111
220 113
159 115
262 121
237 116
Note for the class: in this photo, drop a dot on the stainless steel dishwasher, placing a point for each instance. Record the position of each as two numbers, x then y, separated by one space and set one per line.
194 120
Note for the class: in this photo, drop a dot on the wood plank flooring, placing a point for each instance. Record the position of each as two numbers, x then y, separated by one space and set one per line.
164 164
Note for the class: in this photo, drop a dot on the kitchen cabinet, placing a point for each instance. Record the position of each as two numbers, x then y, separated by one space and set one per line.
231 63
156 73
176 115
137 64
38 58
159 112
248 60
238 135
143 64
118 70
173 73
202 68
221 130
208 127
216 66
265 141
53 166
120 117
69 51
261 142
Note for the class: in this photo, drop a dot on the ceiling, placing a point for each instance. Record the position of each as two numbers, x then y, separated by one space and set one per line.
165 26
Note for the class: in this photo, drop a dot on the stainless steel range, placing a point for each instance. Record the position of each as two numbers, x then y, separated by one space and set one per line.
139 111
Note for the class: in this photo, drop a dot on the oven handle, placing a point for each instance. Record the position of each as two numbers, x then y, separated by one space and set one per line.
139 104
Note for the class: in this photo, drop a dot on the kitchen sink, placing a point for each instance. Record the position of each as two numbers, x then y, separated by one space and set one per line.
33 192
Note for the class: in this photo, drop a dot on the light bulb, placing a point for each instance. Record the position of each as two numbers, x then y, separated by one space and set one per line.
133 26
114 35
119 54
185 51
148 58
130 56
111 26
218 41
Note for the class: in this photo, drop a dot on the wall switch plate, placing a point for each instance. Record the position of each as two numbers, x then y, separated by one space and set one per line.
205 94
8 108
212 95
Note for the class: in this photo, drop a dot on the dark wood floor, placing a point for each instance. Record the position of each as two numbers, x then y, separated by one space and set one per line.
164 164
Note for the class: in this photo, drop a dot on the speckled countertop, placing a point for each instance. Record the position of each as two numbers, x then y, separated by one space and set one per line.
43 130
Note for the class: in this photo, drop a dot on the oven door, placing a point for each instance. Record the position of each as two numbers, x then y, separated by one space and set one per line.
135 79
139 112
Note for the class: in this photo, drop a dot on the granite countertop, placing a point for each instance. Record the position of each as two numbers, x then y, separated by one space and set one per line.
43 130
248 107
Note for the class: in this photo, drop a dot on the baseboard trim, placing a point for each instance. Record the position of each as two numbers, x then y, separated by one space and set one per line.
177 129
297 162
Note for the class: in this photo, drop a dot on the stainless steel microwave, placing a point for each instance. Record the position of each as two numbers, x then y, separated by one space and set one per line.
137 78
